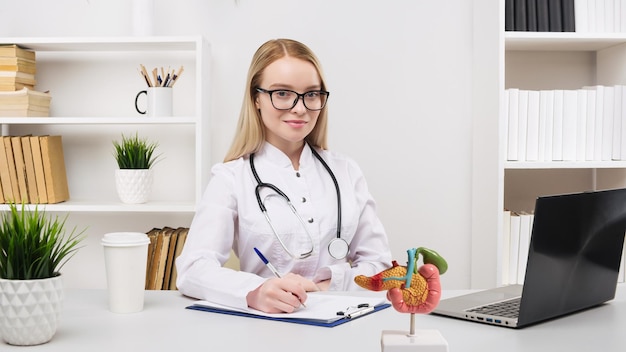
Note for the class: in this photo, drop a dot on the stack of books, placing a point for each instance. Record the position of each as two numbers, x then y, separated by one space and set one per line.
24 102
32 170
17 68
18 97
165 246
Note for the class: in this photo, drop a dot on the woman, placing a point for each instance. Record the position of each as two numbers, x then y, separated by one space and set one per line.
281 147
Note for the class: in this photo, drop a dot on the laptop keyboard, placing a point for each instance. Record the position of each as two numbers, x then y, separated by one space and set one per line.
508 309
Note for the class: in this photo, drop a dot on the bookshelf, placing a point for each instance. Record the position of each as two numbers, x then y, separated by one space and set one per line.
93 82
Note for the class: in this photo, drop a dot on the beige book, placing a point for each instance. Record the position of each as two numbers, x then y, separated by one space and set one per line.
165 235
31 179
54 168
180 243
14 50
40 178
8 148
152 235
5 178
23 113
20 168
25 96
169 265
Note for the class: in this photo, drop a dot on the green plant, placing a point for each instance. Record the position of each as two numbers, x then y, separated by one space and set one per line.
135 153
34 245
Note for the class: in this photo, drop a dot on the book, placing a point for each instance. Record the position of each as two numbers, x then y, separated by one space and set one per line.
8 148
25 96
607 117
526 227
522 127
557 125
169 263
570 116
40 178
548 96
514 246
323 309
555 14
29 165
520 15
18 64
617 124
17 77
14 50
23 113
54 168
581 15
531 15
543 16
509 15
591 132
20 167
513 122
10 85
5 178
159 259
182 237
532 133
152 236
568 15
506 244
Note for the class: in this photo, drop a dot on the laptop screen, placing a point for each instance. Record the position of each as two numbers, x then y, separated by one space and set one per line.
574 255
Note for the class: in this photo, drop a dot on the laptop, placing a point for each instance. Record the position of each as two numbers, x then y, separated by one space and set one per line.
573 263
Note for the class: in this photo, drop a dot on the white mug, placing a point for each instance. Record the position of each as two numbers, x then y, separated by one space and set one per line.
159 101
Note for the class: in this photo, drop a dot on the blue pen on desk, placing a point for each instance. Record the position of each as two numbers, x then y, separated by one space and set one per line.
270 266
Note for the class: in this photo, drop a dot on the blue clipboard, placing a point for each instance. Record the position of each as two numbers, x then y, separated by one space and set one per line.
329 324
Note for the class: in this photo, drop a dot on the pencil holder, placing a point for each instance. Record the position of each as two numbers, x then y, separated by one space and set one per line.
159 101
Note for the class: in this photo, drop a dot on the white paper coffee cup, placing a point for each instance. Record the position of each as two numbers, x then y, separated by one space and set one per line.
125 259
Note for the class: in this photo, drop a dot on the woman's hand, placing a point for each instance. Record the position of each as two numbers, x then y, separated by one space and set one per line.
281 295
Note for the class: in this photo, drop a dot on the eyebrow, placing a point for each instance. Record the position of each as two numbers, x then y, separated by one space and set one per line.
288 87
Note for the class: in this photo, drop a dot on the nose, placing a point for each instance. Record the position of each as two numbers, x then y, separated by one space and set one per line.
299 108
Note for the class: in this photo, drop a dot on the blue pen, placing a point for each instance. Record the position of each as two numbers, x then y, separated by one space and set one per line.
270 266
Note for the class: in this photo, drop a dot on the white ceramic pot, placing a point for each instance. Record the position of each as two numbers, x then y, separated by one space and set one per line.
133 185
30 310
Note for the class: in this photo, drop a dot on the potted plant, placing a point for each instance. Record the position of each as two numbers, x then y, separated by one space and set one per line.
33 249
135 157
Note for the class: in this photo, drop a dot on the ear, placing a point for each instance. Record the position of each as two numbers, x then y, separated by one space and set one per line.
256 103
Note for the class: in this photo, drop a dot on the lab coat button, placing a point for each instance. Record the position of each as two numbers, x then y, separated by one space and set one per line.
303 200
310 220
297 174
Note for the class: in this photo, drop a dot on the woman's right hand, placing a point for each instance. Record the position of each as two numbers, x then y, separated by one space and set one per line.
281 295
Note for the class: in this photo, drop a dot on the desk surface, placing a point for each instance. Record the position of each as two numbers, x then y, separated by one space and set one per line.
164 325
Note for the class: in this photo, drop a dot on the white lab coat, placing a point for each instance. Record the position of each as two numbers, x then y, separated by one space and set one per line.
229 216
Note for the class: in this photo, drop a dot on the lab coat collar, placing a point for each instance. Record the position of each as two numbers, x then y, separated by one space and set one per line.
280 159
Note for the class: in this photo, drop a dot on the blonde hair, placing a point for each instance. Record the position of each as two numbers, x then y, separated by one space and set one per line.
250 134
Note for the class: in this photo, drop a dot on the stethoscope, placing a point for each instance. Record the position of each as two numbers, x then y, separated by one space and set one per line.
337 248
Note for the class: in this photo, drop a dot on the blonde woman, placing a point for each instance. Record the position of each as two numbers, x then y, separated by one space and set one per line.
299 217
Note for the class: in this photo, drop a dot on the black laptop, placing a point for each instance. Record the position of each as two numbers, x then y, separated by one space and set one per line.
573 263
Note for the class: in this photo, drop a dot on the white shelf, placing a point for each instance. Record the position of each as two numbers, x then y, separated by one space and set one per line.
93 82
529 165
561 41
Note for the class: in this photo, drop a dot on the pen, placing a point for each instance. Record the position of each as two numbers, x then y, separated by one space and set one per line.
270 266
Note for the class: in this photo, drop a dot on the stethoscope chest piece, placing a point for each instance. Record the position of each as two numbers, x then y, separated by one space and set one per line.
338 248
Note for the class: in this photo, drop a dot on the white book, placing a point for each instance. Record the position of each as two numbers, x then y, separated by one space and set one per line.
522 126
514 247
591 15
617 15
607 123
570 116
557 126
623 125
609 12
581 125
623 16
513 122
580 15
549 124
617 123
590 142
532 132
543 112
599 142
505 248
600 16
524 244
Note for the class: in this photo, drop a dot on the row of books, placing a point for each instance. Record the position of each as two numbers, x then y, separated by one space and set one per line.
17 68
165 246
517 228
32 170
540 15
600 16
587 124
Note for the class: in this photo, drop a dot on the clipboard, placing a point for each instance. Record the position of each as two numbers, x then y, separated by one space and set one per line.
322 310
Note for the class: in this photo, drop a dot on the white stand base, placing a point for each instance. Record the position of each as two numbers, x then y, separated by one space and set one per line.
422 341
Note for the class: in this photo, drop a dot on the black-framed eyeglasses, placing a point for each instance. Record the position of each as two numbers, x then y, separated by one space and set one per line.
285 99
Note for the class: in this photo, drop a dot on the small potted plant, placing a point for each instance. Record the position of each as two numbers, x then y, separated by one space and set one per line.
33 249
135 157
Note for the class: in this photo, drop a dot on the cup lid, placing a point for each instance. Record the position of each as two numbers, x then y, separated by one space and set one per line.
125 239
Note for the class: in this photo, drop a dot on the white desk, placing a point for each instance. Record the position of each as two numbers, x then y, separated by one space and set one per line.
165 325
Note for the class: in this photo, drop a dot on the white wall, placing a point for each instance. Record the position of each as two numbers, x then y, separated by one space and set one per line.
400 76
